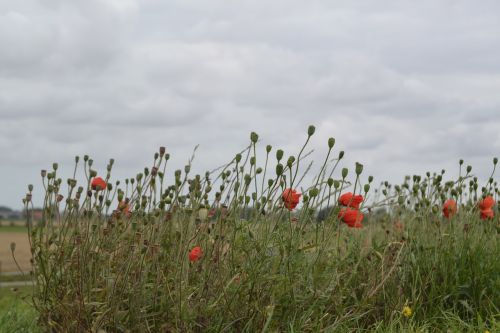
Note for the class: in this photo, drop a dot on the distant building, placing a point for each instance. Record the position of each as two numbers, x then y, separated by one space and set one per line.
7 213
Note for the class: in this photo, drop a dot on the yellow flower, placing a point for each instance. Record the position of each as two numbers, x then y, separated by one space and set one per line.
486 331
407 311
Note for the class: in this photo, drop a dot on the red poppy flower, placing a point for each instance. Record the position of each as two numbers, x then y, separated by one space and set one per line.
351 217
487 214
291 198
195 254
487 203
449 208
350 200
98 184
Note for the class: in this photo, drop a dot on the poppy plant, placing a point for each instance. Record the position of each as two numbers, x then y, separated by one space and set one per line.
195 254
98 184
350 200
291 198
486 203
351 217
449 208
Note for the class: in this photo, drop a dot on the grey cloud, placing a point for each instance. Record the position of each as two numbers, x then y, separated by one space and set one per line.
404 87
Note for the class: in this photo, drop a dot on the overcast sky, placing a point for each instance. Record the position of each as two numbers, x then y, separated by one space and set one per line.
403 86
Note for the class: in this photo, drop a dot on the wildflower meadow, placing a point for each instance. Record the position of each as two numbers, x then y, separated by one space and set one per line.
260 244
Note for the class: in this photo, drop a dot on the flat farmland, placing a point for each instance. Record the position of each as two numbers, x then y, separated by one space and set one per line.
22 252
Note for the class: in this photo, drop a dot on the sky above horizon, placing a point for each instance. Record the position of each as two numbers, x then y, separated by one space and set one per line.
403 86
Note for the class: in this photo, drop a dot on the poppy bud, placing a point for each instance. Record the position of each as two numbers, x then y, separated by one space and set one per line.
93 173
311 130
469 168
77 159
330 182
268 148
254 137
30 187
259 170
331 142
238 158
279 154
279 169
154 171
290 161
313 192
248 179
359 168
461 162
495 161
43 173
345 171
91 161
367 188
59 198
336 184
270 182
12 246
162 151
252 160
341 154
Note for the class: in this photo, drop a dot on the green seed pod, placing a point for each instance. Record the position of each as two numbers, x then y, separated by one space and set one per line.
268 148
254 137
310 130
290 161
341 154
331 142
359 168
279 154
367 188
370 179
345 171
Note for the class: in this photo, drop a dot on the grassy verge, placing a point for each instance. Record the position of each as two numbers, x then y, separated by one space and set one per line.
14 228
16 315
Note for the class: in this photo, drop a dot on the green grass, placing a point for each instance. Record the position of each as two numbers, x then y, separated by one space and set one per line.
8 228
16 315
11 278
